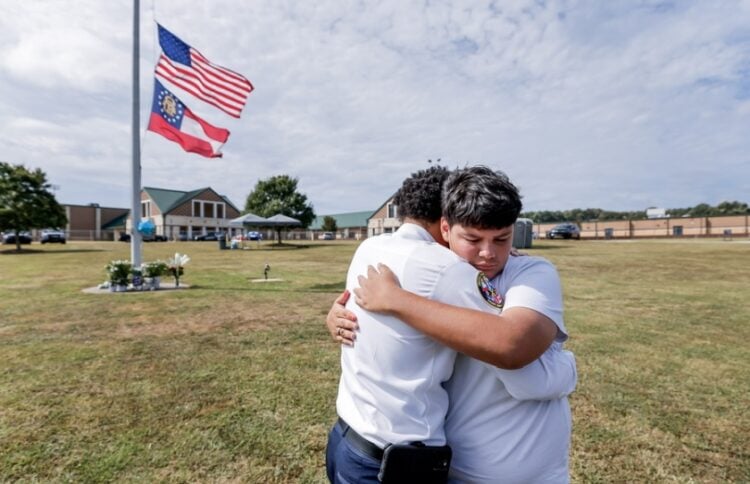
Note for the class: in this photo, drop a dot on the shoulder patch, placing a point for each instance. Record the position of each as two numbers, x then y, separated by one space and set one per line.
488 292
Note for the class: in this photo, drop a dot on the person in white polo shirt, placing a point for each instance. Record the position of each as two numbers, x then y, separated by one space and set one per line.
498 432
392 384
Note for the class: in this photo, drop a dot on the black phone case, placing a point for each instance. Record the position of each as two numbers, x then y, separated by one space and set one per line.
410 463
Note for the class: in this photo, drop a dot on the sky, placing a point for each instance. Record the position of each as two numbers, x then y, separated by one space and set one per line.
619 105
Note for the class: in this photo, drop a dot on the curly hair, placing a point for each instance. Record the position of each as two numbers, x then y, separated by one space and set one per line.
420 194
480 197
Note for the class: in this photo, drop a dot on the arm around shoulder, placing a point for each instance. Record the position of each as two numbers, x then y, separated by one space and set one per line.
510 340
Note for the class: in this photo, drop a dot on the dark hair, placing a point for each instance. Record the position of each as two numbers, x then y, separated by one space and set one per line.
477 196
420 194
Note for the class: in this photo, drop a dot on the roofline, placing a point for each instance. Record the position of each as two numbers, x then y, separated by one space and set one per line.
91 206
185 193
383 205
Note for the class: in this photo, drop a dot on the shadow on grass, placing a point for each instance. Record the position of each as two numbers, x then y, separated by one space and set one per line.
275 247
317 289
334 286
285 247
37 251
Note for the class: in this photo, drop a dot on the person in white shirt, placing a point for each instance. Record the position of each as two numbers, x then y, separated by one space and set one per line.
391 388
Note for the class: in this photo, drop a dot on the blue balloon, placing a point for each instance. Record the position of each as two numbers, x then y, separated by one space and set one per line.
146 227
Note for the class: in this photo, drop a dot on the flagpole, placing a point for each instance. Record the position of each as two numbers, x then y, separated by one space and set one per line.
135 208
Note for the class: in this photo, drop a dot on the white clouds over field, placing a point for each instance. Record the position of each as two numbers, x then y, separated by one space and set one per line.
618 105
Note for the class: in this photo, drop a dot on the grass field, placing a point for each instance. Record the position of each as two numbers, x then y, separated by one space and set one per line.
232 380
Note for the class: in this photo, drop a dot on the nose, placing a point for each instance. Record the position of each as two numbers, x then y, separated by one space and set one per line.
486 252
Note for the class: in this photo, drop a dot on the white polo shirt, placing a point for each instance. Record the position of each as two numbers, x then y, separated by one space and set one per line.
391 388
513 426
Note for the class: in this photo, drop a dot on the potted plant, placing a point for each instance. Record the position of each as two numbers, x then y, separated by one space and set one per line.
119 272
175 267
152 271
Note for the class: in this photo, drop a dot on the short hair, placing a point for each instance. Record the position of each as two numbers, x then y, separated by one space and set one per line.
480 197
420 195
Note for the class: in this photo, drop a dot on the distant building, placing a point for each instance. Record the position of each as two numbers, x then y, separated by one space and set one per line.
180 215
351 225
384 220
656 213
92 222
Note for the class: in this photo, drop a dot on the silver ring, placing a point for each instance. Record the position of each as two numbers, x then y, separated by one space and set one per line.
338 331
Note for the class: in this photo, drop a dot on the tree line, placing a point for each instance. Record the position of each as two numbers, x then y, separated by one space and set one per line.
592 214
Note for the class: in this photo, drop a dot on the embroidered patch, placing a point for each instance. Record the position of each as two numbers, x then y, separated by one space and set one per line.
488 292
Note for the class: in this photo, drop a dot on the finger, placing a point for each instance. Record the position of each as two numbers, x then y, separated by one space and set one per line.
344 341
348 335
343 298
362 280
358 299
347 324
371 271
345 314
384 269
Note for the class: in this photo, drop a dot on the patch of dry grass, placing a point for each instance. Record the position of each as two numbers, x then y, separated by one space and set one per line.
231 381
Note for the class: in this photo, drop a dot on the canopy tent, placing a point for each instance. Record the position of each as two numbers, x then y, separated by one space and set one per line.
277 222
249 219
280 220
252 220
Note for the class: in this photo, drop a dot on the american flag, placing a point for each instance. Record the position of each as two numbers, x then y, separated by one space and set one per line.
186 68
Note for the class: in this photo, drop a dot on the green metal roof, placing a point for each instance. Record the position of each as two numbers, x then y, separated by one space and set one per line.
343 220
167 200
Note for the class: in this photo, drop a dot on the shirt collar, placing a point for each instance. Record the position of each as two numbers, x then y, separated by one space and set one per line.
414 231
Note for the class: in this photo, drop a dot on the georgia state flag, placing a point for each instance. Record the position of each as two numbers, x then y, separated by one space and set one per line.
175 121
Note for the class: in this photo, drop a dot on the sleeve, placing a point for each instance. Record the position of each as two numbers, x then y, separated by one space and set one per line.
460 285
535 284
553 375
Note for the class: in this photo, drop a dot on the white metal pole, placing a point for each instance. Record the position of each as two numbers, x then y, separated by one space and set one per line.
135 208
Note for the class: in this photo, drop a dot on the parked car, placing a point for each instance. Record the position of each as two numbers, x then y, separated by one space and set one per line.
155 238
52 236
326 236
564 231
209 236
125 237
254 236
23 237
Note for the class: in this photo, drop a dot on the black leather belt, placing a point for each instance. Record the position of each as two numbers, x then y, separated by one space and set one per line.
361 443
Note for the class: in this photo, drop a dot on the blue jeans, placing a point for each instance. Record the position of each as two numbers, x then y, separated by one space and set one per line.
345 464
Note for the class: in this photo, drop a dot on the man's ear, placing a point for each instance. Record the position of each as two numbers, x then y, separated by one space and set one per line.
445 228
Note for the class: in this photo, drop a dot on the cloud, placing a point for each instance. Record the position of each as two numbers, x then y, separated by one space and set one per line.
584 103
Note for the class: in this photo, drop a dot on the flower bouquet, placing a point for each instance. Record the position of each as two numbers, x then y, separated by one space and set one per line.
175 267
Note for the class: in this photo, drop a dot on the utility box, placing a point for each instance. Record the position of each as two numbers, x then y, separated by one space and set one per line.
609 233
522 233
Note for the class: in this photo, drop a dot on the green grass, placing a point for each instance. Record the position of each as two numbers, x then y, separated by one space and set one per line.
236 381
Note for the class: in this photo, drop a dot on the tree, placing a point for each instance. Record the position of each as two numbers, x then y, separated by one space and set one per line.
279 195
732 208
701 210
329 224
26 201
